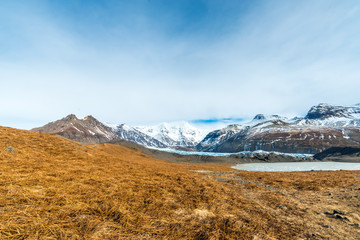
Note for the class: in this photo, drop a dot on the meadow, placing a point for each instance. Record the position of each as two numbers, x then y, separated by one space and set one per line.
55 188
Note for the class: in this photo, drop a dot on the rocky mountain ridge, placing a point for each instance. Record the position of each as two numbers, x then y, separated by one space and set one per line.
324 126
91 131
86 131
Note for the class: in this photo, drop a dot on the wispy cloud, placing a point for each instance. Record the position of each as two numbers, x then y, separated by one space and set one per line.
148 61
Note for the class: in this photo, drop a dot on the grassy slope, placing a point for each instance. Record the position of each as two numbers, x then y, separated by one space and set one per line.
54 188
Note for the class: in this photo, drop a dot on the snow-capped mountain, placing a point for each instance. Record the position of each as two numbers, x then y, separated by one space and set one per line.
259 118
87 130
324 126
174 134
131 134
332 116
326 111
217 136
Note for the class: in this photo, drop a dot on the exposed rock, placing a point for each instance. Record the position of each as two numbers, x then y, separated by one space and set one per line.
323 111
271 156
282 207
10 149
259 117
338 153
338 212
328 226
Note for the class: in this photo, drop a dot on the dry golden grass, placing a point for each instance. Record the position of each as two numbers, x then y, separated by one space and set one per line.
54 188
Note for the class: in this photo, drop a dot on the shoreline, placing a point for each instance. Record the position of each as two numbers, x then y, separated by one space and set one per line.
231 159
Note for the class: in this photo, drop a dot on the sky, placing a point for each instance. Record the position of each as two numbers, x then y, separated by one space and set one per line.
148 61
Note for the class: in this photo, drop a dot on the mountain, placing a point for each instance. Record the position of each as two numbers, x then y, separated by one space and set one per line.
263 118
175 134
222 135
90 131
86 131
324 126
326 111
346 154
131 134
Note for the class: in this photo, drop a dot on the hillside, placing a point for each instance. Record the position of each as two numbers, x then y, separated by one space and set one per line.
55 188
346 154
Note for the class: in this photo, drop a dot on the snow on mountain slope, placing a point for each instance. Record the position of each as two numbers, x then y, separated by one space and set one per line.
325 111
260 118
324 126
131 134
220 135
174 133
332 116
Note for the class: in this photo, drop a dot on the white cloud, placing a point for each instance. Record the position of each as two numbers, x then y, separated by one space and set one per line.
280 59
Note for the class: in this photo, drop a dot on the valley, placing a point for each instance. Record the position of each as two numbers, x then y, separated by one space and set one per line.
179 120
82 179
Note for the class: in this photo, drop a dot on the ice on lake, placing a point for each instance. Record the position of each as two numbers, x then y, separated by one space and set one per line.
298 166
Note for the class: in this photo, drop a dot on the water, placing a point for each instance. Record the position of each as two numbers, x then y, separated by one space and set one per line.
215 154
192 153
297 166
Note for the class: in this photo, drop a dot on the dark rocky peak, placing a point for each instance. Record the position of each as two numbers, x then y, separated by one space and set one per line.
278 122
230 128
323 111
70 117
259 117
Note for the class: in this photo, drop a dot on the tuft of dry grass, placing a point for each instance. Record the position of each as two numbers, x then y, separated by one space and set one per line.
54 188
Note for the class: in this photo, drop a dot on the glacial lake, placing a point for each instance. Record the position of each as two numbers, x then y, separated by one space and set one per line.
217 154
297 166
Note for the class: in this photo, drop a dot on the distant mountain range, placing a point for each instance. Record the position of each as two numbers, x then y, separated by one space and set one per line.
175 134
90 131
324 126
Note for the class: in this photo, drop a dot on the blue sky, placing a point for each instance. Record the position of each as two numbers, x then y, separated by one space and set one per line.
148 61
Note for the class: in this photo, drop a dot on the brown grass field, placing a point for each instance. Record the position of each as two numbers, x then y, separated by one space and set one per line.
54 188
